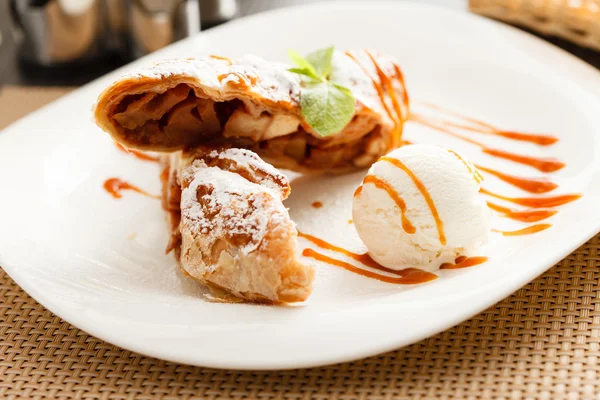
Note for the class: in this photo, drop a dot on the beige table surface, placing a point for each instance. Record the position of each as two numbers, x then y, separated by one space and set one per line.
542 342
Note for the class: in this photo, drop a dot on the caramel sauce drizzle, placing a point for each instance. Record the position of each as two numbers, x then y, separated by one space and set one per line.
476 174
409 276
137 154
438 221
536 202
383 85
525 231
241 82
400 76
381 184
405 276
115 186
376 85
544 164
221 58
363 258
531 215
531 185
387 84
464 262
486 128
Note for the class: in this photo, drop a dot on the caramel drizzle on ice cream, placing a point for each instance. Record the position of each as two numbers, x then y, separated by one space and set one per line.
424 192
470 167
381 184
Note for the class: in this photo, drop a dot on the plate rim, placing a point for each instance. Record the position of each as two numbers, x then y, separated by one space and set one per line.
88 326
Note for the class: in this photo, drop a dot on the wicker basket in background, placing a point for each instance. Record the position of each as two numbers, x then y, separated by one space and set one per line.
574 20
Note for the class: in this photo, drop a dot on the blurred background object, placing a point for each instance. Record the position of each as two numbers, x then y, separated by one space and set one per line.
156 23
215 12
55 32
58 31
574 20
71 42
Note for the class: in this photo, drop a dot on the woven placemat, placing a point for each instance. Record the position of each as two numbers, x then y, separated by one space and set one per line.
543 342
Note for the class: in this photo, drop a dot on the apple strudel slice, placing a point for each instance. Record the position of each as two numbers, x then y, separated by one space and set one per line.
254 104
229 227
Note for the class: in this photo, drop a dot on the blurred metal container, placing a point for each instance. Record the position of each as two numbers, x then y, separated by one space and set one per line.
65 31
215 12
156 23
58 31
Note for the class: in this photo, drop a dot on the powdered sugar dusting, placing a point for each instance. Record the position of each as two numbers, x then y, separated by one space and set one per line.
251 162
268 80
272 81
221 204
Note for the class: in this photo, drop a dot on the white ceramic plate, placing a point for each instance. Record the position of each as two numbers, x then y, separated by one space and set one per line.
99 262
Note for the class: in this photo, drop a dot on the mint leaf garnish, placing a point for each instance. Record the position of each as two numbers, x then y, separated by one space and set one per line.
302 63
321 61
325 105
305 72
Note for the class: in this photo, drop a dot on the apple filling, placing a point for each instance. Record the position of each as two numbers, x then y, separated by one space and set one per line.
179 118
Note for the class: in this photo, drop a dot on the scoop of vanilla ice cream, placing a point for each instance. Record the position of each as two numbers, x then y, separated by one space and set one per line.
444 214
